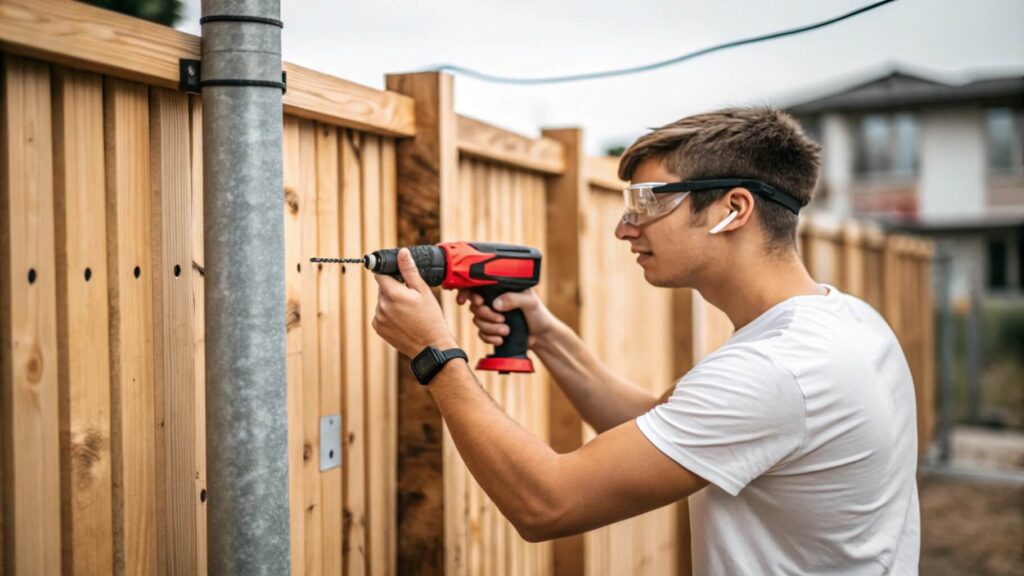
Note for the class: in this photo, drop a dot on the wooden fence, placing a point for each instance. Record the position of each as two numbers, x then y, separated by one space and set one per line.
102 425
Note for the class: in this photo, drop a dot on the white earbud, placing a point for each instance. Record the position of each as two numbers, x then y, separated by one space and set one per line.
725 222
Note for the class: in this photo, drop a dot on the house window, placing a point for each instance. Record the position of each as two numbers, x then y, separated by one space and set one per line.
1004 135
997 264
886 146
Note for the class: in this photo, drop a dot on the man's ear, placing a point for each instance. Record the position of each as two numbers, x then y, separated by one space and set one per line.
738 200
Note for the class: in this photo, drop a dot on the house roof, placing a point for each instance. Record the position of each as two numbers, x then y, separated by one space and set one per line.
898 89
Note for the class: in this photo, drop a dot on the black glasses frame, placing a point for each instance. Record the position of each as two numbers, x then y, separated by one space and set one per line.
762 189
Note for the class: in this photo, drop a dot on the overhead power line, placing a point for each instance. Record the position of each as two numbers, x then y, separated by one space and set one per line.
647 67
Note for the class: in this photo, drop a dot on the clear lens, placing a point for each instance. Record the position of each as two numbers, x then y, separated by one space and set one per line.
643 205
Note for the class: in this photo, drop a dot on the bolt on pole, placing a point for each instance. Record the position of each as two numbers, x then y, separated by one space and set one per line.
246 386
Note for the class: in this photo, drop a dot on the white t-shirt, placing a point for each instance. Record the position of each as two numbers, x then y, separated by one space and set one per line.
803 424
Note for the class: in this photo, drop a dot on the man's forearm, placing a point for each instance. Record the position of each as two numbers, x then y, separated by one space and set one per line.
602 398
514 467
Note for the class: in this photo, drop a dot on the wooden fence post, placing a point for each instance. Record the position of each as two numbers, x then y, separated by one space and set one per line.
427 171
566 218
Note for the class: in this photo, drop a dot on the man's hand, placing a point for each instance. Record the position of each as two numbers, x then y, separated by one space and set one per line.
408 316
491 321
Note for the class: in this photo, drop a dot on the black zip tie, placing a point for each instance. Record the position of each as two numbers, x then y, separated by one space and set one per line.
230 18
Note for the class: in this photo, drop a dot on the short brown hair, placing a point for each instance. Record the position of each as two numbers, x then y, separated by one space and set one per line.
759 143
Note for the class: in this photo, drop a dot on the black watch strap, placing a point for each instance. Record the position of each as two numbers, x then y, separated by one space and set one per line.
430 361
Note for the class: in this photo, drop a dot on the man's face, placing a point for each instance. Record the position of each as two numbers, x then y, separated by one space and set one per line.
670 250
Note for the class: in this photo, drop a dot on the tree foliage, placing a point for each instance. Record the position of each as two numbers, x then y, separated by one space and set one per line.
167 12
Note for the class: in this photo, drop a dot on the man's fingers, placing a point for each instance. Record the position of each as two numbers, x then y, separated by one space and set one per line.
491 327
386 282
407 266
512 300
491 339
486 312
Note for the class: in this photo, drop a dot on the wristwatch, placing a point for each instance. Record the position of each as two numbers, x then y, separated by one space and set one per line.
430 361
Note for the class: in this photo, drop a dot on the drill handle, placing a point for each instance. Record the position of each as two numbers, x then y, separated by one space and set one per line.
515 344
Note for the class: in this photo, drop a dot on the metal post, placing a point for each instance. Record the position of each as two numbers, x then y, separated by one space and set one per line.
974 355
246 391
945 277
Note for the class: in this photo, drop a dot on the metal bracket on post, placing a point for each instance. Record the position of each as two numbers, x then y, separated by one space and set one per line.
189 72
330 442
188 76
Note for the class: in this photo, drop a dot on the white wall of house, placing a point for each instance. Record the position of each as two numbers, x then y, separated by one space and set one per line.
837 163
951 154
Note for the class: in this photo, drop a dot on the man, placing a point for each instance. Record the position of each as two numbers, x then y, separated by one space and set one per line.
795 442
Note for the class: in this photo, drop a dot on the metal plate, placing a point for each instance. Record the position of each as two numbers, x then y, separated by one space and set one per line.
330 442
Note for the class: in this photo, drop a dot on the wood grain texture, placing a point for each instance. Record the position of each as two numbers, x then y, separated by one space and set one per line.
129 260
567 213
197 269
84 322
481 140
91 38
329 315
353 393
309 324
174 319
31 426
293 339
427 166
389 237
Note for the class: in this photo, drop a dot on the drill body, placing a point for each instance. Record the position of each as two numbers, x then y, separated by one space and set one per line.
488 268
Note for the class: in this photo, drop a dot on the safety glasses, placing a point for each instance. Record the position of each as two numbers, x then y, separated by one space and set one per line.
648 201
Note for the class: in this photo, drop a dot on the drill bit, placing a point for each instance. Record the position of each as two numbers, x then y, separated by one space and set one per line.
338 260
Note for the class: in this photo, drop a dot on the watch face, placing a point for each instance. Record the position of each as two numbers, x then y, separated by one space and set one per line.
423 363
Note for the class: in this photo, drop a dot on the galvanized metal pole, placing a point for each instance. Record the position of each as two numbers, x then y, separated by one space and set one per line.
246 395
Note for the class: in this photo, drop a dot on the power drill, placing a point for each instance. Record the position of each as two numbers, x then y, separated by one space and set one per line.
487 268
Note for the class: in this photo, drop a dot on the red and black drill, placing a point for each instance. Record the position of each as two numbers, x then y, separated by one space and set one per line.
488 268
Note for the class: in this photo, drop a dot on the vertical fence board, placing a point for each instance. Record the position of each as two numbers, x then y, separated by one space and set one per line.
309 321
88 546
129 260
427 169
197 269
353 419
293 339
329 313
30 381
173 331
389 231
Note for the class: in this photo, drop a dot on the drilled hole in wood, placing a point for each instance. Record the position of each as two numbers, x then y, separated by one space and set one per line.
202 495
137 272
330 454
319 266
299 267
88 274
342 268
177 270
31 275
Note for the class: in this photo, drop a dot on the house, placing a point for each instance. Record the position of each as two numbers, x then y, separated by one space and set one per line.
940 159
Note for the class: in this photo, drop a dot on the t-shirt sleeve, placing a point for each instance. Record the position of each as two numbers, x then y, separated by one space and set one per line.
731 419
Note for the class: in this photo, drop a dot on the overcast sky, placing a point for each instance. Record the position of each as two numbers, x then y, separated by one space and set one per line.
951 40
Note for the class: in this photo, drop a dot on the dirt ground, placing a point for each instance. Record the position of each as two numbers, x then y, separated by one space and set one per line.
971 528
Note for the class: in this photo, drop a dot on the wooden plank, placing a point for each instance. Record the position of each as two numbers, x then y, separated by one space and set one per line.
293 339
126 133
32 494
321 97
84 36
603 172
198 270
353 396
173 322
481 140
329 314
309 324
389 231
427 166
375 392
567 202
84 323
